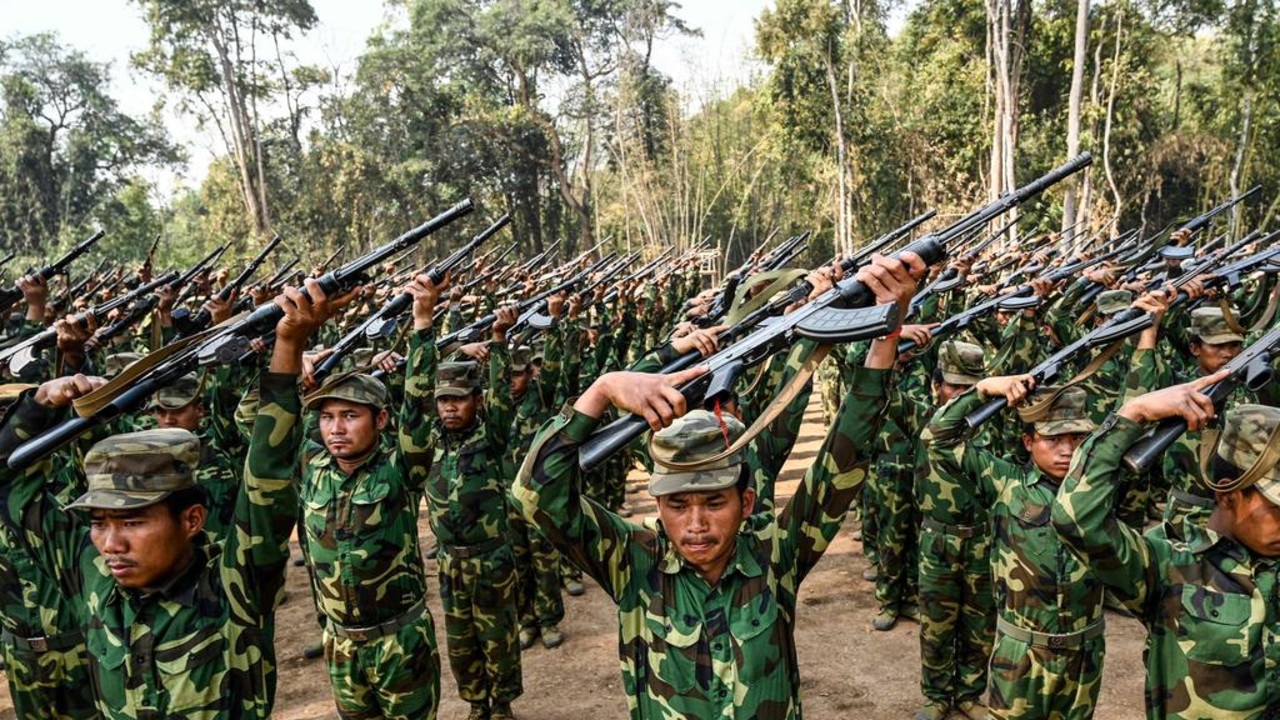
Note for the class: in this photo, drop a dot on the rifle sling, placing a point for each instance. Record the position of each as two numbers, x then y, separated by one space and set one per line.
1033 411
1269 314
772 282
774 409
1264 464
1229 317
91 404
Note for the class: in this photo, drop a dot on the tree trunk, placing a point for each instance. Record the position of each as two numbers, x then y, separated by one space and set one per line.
843 244
1106 133
1074 101
1242 152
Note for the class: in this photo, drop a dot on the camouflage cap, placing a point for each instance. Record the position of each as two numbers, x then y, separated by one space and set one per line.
355 387
138 469
178 394
457 379
521 357
115 364
1208 324
1246 432
1113 301
699 434
1067 414
961 363
362 357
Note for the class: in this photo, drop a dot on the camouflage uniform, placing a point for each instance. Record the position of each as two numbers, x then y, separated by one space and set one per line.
203 645
1207 601
468 506
537 561
360 534
46 662
957 613
686 651
1049 643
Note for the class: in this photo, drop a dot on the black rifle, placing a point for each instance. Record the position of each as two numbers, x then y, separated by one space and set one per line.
843 314
1200 222
1251 368
950 277
225 344
382 322
22 354
188 325
9 296
1123 324
8 258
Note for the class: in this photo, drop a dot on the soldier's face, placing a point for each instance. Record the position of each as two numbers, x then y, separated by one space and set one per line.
944 391
519 383
1052 453
703 525
350 430
187 417
145 547
457 413
1213 357
1254 521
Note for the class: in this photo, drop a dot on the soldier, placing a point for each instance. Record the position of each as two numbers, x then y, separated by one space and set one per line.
181 405
463 449
45 659
1206 594
176 626
956 607
707 596
1049 644
360 501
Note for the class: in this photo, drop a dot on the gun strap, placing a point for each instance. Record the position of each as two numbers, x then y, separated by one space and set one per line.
1229 316
1265 462
89 405
771 283
771 412
1034 411
1269 314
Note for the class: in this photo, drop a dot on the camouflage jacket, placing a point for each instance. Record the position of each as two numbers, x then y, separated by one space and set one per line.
943 493
463 472
361 529
1207 602
203 646
687 649
1039 584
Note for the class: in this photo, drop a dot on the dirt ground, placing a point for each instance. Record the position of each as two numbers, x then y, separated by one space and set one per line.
848 669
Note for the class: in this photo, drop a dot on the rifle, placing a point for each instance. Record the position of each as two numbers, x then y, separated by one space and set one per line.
9 296
844 313
382 322
723 301
1200 222
23 354
1251 368
1122 325
279 274
950 277
1014 299
78 290
7 258
223 344
201 268
188 325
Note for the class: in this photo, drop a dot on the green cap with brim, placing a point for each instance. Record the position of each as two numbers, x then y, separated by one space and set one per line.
699 434
358 388
178 394
138 469
116 363
961 363
1246 433
521 358
457 379
1114 301
1067 414
1210 326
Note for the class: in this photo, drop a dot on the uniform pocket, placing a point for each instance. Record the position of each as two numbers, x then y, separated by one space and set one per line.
1218 628
674 652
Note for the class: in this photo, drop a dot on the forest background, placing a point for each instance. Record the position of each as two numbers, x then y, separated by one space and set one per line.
554 110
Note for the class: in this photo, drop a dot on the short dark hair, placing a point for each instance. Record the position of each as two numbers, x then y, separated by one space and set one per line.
744 479
1221 469
179 500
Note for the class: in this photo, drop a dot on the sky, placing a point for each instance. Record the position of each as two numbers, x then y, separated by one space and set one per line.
109 30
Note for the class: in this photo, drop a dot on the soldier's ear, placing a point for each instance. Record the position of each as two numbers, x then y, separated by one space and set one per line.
381 419
1026 442
192 520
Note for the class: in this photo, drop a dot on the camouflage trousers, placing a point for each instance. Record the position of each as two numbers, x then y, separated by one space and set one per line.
890 492
870 524
829 385
538 576
957 613
51 685
393 676
1030 681
482 629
